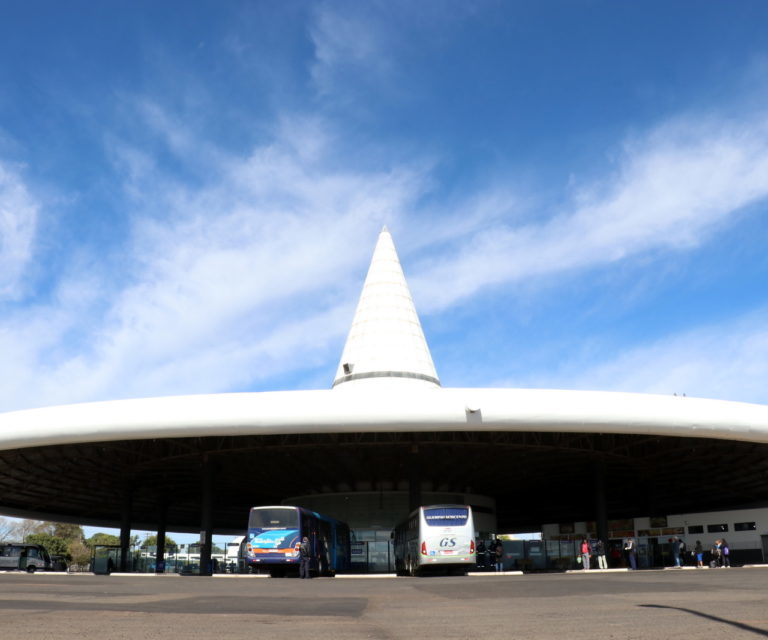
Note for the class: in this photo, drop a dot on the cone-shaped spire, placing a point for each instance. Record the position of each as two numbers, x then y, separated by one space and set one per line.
386 339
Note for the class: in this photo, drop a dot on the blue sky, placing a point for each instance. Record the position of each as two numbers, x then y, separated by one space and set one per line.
190 193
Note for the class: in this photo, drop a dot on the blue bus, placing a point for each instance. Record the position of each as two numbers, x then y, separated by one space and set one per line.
275 533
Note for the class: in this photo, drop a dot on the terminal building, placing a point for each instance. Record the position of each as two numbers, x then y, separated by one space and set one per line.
387 437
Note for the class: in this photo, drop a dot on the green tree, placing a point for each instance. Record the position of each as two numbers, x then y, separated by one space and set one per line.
79 553
63 530
103 538
151 541
54 544
67 531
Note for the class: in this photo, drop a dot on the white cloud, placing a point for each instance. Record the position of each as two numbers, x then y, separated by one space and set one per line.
672 189
253 272
18 223
345 41
728 361
248 277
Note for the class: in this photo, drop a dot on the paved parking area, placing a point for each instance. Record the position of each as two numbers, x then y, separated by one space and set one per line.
704 605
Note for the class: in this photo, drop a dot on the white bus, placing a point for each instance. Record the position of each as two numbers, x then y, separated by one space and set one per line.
440 536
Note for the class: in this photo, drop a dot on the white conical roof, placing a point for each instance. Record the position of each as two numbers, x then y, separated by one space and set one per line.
386 340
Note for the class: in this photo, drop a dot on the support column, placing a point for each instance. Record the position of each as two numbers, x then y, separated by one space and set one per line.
601 502
161 524
125 528
206 517
414 479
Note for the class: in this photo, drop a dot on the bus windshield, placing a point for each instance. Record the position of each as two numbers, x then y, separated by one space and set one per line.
446 516
266 519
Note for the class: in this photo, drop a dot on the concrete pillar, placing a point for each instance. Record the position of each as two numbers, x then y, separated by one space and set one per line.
601 502
125 528
414 478
206 517
161 524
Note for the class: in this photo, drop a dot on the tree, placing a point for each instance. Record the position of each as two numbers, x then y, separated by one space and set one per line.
79 553
63 530
24 527
43 527
54 545
151 541
7 529
103 539
67 531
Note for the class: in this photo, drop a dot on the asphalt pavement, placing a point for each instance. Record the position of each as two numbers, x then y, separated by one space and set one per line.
701 605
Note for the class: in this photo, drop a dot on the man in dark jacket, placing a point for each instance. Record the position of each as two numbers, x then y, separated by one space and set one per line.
305 558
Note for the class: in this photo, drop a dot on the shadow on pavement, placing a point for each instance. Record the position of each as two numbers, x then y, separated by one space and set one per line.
708 616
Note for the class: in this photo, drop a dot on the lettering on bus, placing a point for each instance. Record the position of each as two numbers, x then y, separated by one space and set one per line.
446 516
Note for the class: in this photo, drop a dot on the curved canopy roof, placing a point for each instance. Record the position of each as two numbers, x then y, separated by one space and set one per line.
74 462
385 407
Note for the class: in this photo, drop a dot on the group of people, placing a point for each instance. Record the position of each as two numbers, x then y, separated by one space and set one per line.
491 555
586 551
719 553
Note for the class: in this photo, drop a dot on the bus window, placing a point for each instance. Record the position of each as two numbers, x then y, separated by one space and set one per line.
446 516
265 519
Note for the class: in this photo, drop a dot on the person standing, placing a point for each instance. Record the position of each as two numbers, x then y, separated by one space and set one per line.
498 554
726 554
600 551
698 551
305 558
585 554
676 551
717 555
481 550
631 551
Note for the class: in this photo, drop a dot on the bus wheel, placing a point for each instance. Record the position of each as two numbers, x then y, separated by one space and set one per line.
31 568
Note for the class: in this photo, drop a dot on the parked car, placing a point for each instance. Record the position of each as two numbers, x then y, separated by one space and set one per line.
58 563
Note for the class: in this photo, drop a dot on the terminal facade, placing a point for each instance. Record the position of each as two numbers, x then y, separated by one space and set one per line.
384 439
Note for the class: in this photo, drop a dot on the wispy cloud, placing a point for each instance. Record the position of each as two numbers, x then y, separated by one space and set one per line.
672 188
244 278
346 41
18 224
251 271
727 361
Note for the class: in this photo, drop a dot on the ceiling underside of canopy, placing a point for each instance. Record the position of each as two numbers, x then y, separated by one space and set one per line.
535 477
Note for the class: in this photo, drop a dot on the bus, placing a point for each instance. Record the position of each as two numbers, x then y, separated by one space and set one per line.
26 557
440 536
275 533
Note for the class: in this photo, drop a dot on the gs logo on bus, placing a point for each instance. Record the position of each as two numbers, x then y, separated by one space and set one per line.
448 542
